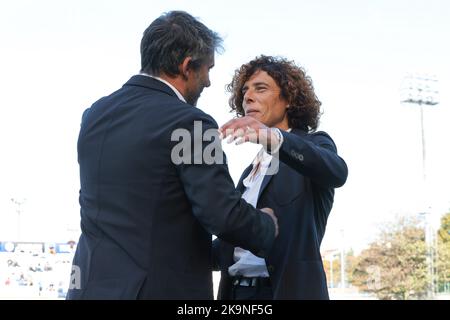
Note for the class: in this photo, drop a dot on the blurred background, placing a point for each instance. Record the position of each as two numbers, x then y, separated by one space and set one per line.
380 68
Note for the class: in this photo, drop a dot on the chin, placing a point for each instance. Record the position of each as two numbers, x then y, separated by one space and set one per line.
254 116
192 100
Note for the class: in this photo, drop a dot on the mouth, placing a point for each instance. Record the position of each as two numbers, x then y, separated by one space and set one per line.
251 112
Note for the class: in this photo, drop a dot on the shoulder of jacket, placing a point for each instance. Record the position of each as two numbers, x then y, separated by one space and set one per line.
192 114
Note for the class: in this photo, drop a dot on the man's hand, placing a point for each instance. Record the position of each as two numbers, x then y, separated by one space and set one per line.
248 129
274 218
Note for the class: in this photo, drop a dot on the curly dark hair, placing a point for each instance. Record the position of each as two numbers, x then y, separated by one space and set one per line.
296 87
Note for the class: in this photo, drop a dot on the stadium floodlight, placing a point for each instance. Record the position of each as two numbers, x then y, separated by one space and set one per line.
421 90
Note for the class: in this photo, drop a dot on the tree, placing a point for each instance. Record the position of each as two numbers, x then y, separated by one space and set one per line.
350 261
394 266
443 263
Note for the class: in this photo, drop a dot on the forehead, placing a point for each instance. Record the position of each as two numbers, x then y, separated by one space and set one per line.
207 62
260 77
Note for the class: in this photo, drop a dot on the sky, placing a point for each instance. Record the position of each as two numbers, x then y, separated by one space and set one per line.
58 57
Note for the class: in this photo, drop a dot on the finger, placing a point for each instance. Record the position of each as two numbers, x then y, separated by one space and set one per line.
220 134
247 124
230 139
251 127
228 129
252 137
236 134
225 133
240 140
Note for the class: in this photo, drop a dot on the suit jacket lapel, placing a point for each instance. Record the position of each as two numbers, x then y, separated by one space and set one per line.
267 178
240 186
264 184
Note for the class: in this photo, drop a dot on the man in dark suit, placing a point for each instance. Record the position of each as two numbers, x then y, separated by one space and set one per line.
150 201
295 173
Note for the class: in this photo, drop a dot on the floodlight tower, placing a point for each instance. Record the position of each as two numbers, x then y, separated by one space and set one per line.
421 90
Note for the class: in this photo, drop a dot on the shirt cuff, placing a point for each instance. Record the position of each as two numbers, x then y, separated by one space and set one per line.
279 142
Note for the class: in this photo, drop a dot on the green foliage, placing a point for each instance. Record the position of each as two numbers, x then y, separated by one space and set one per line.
394 267
350 261
443 256
444 230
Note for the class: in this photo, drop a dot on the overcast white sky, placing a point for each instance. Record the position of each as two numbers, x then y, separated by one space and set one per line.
58 57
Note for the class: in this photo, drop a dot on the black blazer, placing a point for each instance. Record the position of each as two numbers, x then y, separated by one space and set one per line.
301 193
147 222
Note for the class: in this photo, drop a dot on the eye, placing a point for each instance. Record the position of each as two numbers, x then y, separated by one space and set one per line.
261 89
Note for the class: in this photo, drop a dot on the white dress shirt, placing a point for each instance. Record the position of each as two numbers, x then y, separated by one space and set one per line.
246 263
179 95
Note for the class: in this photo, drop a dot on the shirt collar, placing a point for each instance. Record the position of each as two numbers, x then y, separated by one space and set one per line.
179 95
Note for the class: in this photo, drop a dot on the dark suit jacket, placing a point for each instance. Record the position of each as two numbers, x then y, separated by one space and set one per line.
301 193
147 222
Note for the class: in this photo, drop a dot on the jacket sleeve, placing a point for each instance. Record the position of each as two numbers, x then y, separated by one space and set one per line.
211 192
314 156
216 254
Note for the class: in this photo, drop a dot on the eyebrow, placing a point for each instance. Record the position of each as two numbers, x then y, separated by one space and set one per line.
260 83
255 85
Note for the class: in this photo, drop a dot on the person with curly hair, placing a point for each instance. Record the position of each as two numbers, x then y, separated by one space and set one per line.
295 173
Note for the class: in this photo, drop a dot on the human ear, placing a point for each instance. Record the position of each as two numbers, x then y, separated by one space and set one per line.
185 68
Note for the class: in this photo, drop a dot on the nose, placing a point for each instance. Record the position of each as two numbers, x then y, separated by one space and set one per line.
206 82
248 97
